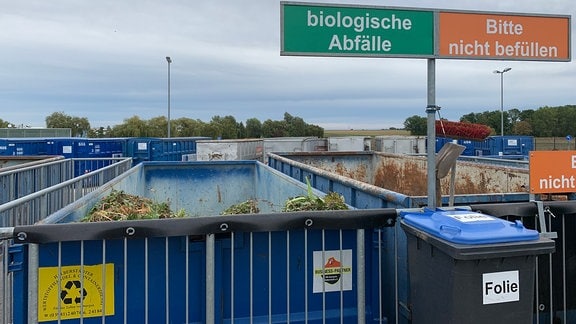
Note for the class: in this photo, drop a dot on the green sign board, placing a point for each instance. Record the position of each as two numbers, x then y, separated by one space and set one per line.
325 30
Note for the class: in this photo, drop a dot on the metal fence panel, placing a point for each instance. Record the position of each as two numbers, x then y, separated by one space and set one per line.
41 202
555 299
312 271
22 181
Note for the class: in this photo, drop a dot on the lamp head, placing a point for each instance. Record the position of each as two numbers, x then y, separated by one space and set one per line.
503 71
168 59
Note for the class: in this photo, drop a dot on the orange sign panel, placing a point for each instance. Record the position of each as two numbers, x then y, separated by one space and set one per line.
552 171
503 37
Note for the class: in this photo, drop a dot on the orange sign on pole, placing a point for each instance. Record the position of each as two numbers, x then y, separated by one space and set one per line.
503 37
552 171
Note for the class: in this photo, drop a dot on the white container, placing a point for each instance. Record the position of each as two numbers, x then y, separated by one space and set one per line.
229 150
400 144
349 143
294 144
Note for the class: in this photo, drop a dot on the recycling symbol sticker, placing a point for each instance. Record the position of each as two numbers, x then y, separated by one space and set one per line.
73 292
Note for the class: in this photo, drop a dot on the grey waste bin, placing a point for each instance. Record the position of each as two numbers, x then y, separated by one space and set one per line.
468 267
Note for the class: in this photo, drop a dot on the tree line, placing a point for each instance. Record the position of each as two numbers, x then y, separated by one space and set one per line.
543 122
219 127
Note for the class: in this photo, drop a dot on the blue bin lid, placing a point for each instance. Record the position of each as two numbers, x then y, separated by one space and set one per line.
467 227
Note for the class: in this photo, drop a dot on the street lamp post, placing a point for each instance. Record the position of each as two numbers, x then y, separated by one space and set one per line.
502 97
169 60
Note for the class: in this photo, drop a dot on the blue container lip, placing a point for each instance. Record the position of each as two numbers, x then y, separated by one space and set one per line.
468 227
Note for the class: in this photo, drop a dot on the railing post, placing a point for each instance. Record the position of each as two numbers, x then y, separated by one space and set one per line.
210 241
32 283
361 275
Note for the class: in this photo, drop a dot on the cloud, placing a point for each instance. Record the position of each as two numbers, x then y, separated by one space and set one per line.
105 61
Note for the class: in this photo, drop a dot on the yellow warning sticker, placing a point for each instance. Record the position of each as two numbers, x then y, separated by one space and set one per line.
75 291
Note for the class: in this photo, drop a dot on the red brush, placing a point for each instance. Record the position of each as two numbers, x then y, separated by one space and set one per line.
462 130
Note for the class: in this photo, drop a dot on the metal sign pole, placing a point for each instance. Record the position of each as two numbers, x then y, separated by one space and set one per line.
431 133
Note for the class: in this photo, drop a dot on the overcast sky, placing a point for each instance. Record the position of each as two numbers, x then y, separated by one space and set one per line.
105 60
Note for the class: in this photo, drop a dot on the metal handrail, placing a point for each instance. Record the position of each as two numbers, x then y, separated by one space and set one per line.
33 207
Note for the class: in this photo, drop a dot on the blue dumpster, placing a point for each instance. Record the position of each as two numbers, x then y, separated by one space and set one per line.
272 266
142 149
24 146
